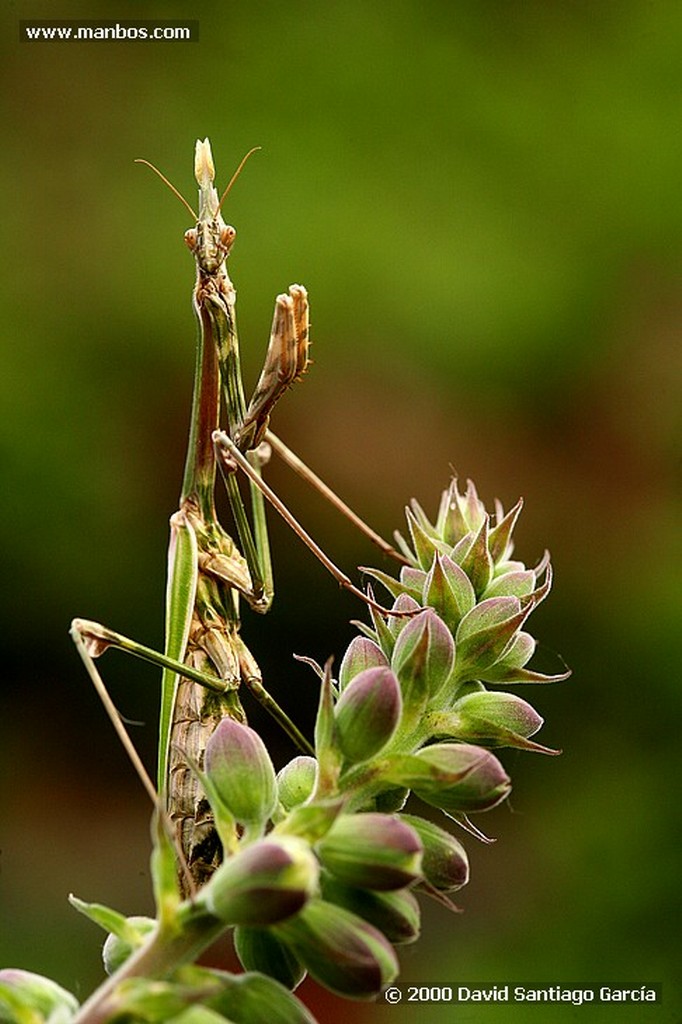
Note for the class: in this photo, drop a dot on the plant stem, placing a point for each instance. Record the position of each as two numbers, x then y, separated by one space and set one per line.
161 954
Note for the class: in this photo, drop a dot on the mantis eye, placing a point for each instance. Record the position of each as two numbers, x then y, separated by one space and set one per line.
191 239
227 236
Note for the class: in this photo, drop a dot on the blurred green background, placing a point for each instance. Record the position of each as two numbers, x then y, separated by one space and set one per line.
483 199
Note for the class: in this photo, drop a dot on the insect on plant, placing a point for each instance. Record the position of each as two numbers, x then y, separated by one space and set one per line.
316 868
205 660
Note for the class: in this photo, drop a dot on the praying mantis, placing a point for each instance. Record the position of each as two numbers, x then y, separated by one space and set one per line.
205 660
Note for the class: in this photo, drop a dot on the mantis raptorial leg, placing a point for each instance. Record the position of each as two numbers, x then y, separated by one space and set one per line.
205 660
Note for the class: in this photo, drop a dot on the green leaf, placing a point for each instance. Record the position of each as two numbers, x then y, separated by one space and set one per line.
499 540
108 919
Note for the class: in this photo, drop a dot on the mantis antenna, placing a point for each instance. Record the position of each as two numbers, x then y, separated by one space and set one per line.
179 195
236 174
172 187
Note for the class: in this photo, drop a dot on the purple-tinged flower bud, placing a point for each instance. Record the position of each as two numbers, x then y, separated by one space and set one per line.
485 633
371 851
517 583
412 580
117 948
519 652
263 883
396 914
498 719
361 653
479 781
29 996
240 771
259 949
367 713
448 591
456 777
296 781
340 950
445 864
423 659
509 668
396 623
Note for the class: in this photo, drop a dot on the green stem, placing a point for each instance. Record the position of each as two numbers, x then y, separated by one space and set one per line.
163 953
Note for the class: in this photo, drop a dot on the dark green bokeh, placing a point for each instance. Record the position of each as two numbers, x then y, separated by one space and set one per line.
483 200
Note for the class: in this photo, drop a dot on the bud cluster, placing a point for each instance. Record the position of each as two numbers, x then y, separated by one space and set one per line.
322 866
330 888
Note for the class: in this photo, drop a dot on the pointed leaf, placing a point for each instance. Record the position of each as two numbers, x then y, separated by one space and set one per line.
449 591
477 563
326 745
473 508
404 547
509 676
108 919
452 525
383 634
423 520
499 540
393 586
424 544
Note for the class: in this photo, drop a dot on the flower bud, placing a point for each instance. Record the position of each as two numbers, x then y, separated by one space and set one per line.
340 950
361 653
263 883
456 777
396 914
367 713
517 583
396 623
448 590
499 719
423 659
445 865
371 851
26 995
259 949
472 778
117 948
485 632
296 781
510 667
241 773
